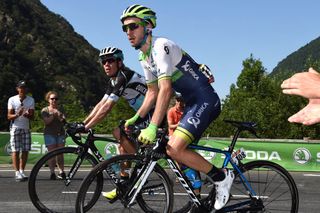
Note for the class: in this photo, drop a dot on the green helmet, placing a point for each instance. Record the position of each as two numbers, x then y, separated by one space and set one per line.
141 12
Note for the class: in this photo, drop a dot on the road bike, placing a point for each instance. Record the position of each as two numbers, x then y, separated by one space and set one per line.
259 186
59 195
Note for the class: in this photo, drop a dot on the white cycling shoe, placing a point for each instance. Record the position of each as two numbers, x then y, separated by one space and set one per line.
223 190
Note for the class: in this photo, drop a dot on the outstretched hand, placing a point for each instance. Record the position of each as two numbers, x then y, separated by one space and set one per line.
309 115
305 84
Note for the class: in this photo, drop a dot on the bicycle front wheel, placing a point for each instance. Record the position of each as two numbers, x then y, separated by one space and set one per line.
275 189
51 193
155 196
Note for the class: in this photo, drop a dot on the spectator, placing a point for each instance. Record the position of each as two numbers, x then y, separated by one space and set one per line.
307 85
174 114
54 134
20 111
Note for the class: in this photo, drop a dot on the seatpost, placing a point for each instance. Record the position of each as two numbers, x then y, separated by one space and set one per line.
234 139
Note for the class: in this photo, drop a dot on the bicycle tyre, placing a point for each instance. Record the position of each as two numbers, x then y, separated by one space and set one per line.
54 195
157 180
274 186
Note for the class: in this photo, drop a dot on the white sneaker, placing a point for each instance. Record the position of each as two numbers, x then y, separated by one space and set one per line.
25 177
223 190
19 177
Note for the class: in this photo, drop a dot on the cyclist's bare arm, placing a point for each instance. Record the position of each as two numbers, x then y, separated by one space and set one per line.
93 112
163 99
149 100
99 112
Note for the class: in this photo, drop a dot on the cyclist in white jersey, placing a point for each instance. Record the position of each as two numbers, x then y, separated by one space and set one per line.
166 67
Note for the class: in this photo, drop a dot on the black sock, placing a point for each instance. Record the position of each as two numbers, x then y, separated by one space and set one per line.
216 174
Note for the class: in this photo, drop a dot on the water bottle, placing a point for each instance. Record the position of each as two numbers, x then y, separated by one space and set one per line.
193 177
115 166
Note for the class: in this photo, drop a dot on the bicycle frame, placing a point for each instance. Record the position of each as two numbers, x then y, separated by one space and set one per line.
147 169
83 149
226 161
185 181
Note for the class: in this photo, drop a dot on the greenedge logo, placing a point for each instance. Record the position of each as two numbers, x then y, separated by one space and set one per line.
302 155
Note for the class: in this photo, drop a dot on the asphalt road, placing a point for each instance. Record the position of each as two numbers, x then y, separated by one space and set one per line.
14 195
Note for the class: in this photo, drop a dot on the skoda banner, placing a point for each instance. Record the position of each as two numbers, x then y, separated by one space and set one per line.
294 155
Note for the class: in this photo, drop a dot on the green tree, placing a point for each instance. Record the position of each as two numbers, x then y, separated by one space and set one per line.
255 97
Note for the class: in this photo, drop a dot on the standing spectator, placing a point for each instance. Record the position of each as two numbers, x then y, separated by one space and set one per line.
54 133
174 114
20 111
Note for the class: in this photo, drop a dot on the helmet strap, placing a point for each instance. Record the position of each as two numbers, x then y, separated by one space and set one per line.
118 69
144 40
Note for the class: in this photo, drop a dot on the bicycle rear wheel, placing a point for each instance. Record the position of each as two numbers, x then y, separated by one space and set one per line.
55 195
155 196
275 190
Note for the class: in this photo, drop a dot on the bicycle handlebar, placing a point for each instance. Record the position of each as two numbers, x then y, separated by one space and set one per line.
75 129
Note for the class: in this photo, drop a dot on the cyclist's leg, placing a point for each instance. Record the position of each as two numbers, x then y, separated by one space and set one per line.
199 112
197 117
125 147
177 150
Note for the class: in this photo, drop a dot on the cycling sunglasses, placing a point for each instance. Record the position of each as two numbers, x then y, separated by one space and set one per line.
132 26
109 60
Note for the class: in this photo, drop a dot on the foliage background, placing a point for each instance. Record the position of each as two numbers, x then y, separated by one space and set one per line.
43 48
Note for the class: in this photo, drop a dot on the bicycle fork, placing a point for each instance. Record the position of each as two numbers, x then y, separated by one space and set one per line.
75 166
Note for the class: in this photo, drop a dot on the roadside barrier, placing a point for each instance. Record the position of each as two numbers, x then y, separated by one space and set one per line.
294 155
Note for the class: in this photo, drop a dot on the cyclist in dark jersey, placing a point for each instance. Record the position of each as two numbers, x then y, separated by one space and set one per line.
125 83
167 66
122 82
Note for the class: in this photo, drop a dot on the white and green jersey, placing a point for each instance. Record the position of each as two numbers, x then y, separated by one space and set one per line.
166 60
